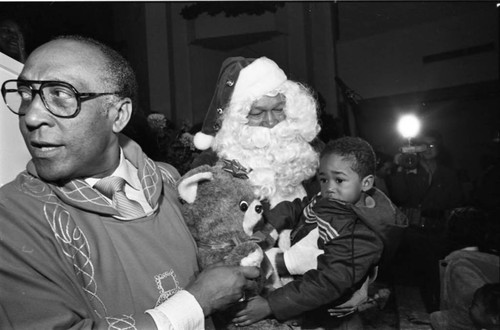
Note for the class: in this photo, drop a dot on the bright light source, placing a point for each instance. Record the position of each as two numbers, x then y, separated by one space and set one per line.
409 126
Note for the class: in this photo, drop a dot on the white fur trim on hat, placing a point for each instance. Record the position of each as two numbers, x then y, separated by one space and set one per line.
202 141
257 79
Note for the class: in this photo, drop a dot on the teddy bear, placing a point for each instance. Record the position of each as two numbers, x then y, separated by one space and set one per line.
221 210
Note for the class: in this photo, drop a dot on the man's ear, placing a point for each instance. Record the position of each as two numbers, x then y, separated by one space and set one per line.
123 110
367 182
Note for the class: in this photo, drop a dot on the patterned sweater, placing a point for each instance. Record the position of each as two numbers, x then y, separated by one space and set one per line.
65 262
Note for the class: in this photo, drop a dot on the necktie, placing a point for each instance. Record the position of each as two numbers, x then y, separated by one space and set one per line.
112 187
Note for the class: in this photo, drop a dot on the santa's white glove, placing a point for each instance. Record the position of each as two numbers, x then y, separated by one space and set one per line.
302 256
271 255
284 240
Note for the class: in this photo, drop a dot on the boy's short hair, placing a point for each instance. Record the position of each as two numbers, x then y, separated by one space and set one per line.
357 150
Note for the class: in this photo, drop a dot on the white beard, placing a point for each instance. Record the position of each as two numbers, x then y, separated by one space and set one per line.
279 161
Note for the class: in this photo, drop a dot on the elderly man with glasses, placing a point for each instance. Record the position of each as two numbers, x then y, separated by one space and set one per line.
91 232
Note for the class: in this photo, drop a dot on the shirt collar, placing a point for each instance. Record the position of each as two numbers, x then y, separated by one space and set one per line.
124 170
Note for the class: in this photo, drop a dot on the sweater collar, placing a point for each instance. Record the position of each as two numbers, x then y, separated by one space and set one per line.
80 194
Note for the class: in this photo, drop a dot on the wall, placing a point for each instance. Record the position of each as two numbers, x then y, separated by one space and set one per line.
130 39
158 58
392 63
457 96
385 64
13 152
184 56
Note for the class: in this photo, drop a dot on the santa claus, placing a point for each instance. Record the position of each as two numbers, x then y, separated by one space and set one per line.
266 122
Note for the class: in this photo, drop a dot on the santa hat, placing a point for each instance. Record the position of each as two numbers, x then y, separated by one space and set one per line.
239 79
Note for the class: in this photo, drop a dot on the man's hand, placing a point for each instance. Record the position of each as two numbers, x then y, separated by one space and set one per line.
256 309
217 287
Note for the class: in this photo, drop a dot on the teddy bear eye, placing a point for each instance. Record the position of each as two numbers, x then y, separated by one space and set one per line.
258 209
243 206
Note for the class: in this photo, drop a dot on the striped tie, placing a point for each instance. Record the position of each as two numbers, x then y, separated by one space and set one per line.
112 187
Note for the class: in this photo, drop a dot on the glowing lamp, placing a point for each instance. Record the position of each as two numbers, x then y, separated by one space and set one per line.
409 126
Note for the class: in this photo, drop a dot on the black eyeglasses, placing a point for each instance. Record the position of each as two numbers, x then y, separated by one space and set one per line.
60 98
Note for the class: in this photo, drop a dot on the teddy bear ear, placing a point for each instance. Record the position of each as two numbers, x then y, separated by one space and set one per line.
188 187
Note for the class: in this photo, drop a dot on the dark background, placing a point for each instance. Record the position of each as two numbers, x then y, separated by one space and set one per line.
468 114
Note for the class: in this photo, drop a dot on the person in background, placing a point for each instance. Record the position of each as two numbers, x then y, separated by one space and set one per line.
92 235
385 166
484 310
469 265
12 41
354 227
432 187
485 194
426 193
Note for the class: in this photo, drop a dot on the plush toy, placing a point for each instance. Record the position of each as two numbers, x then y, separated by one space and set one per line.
221 211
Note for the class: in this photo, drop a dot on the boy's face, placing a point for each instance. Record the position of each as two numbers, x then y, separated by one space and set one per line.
339 181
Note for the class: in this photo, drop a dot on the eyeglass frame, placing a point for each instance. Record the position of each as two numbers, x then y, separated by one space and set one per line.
80 97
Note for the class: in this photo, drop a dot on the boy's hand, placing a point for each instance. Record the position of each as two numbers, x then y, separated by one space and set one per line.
256 309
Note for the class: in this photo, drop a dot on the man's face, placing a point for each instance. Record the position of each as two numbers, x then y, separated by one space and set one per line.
268 111
337 179
67 148
431 151
9 38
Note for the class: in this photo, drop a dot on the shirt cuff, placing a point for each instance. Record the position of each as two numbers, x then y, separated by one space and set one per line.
181 311
281 265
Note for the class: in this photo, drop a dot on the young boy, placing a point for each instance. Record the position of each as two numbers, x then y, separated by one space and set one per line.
357 226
